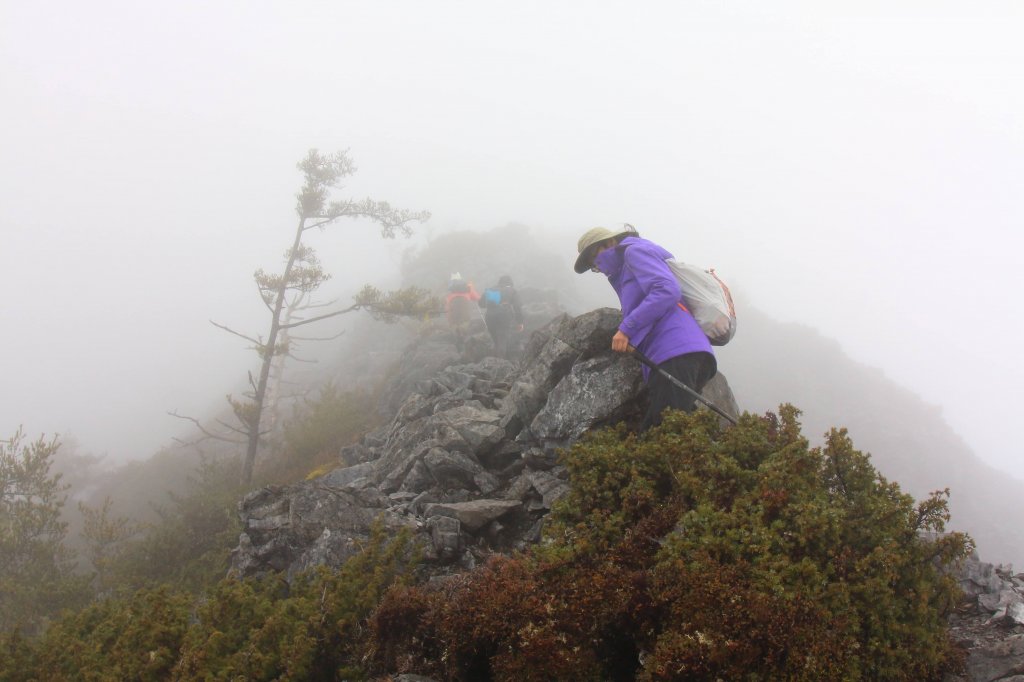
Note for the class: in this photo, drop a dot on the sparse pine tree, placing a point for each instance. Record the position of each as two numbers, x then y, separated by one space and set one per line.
285 292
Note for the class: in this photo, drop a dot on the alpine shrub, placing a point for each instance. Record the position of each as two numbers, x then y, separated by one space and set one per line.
700 552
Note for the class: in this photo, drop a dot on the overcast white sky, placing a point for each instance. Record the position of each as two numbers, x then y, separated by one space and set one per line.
857 166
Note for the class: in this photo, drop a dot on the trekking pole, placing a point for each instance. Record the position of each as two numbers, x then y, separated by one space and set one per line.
710 405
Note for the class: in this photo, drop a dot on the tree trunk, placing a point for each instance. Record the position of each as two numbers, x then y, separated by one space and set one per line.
268 359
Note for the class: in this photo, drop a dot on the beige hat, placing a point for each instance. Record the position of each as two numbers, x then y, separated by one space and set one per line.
593 237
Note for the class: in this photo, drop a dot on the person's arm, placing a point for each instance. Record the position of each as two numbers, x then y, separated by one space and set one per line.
661 290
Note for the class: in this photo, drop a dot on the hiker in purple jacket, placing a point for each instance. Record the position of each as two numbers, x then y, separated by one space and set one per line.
653 319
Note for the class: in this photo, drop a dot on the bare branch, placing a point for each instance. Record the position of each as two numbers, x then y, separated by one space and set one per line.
322 223
321 317
235 429
296 358
232 331
325 304
203 429
319 338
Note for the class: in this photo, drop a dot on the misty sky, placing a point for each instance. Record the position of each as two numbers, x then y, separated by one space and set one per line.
856 166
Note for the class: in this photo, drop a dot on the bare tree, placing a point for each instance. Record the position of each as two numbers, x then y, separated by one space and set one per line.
285 292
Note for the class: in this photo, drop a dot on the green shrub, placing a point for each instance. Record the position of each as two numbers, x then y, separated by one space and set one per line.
697 552
238 630
136 638
267 630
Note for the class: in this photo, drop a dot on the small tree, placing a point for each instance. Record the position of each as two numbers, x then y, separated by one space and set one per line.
36 569
106 540
286 292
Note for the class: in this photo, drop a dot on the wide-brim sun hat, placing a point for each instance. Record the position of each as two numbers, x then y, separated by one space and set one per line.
592 238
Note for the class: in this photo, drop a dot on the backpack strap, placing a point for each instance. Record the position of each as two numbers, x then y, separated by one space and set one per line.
728 295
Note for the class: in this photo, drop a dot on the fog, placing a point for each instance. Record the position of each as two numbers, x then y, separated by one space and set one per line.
857 167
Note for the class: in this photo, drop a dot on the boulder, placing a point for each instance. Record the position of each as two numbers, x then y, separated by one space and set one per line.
596 392
451 469
550 355
475 514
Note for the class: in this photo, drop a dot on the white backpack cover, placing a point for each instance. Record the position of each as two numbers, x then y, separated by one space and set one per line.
708 300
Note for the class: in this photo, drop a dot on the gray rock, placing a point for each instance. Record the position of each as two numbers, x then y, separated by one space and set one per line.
475 514
339 478
596 392
995 601
720 394
550 355
550 487
486 482
358 453
445 538
294 528
452 469
454 378
998 660
479 427
418 478
416 406
501 457
420 501
977 577
393 469
541 458
519 488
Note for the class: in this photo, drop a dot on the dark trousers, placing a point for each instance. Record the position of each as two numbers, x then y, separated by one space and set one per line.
693 369
499 321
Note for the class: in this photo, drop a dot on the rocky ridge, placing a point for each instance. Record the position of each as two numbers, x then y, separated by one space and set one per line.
469 460
469 464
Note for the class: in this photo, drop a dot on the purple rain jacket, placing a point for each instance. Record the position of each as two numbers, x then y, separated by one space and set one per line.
649 294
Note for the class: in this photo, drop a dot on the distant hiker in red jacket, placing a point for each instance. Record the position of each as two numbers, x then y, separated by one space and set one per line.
653 321
458 306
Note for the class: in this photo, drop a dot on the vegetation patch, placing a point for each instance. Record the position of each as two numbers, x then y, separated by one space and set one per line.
697 552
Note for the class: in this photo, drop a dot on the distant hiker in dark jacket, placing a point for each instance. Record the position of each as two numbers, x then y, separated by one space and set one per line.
502 312
653 319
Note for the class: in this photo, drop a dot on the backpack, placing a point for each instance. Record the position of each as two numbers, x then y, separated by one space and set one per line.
708 299
493 296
